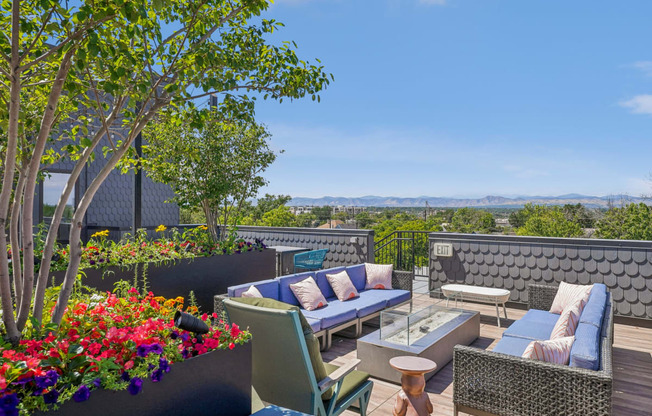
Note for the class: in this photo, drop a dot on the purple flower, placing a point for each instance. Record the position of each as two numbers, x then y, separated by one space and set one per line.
184 337
91 262
135 386
23 381
8 404
174 335
185 353
51 397
157 375
82 394
143 350
125 376
156 349
97 382
151 367
48 380
164 365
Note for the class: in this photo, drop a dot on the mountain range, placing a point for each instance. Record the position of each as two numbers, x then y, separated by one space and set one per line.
489 201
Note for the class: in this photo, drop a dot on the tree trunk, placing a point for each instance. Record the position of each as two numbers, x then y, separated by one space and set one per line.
211 220
51 238
15 240
13 334
30 186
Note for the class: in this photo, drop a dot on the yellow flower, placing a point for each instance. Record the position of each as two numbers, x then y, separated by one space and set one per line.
159 299
203 227
161 228
179 299
192 309
104 233
169 303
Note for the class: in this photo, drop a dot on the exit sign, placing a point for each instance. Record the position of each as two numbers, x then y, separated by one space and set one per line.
443 250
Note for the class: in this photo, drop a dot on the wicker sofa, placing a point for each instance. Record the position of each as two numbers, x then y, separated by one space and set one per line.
337 315
500 382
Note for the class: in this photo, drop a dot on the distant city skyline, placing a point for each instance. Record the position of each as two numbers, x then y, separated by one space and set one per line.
466 98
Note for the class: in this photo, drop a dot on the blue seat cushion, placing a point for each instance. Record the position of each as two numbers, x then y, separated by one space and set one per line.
333 314
534 325
512 345
324 284
285 294
358 275
585 352
392 296
593 311
267 288
315 324
366 305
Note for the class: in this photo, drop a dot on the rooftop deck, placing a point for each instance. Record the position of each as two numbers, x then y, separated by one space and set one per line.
632 365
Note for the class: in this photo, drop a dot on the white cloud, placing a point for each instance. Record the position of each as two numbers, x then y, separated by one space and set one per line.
644 66
640 104
433 2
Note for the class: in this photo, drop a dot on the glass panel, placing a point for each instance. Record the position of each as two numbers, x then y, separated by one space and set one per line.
407 324
52 189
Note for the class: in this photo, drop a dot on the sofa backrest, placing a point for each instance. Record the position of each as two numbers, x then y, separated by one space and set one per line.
585 352
285 293
323 283
358 275
268 288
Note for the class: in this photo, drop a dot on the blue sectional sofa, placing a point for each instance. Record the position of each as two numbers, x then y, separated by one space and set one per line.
336 315
501 382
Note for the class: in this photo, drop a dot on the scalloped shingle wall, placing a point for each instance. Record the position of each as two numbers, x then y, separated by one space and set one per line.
345 247
513 263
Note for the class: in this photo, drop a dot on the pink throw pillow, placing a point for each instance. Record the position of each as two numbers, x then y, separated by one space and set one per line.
252 292
342 286
568 295
308 294
567 322
555 351
379 276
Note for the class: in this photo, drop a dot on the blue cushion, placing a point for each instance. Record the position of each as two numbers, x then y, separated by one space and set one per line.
585 352
267 288
333 314
512 346
323 283
593 311
392 296
315 324
358 275
533 326
366 305
285 293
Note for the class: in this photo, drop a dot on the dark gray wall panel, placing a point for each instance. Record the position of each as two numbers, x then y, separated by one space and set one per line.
514 262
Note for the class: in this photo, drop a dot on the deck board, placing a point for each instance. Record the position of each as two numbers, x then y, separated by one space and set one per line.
632 366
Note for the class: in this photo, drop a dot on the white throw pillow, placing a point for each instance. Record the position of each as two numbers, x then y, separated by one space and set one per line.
555 351
567 322
569 294
379 276
252 292
342 286
308 294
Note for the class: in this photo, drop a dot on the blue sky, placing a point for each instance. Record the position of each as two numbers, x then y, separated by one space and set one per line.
467 98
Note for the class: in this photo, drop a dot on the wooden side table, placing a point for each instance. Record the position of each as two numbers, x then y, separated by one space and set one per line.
412 400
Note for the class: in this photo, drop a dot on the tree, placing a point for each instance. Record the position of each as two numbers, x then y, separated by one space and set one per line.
469 220
364 220
123 62
579 214
323 213
279 217
631 222
217 166
306 220
549 222
268 203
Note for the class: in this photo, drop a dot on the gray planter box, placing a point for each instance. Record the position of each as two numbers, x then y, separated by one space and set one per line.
206 276
216 383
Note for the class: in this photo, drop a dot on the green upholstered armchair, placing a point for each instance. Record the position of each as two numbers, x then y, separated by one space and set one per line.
287 368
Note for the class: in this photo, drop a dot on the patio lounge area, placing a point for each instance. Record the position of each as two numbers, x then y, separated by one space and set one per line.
632 364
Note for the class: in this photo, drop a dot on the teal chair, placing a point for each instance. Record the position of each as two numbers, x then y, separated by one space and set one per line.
288 370
310 260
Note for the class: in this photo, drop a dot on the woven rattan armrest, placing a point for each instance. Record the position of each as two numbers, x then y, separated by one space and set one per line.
218 306
541 296
402 280
508 385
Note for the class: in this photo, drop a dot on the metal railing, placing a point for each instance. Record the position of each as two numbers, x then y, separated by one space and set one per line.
406 250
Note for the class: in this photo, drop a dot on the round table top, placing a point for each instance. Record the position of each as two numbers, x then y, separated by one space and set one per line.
409 364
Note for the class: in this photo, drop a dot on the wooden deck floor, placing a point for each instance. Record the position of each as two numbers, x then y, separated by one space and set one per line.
632 364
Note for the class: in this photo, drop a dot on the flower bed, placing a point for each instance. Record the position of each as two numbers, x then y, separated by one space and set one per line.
109 341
